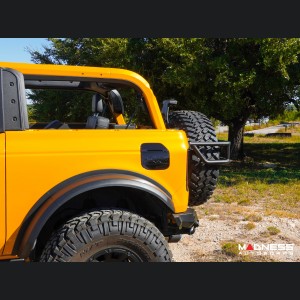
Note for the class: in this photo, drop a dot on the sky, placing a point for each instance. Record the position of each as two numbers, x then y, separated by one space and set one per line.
14 49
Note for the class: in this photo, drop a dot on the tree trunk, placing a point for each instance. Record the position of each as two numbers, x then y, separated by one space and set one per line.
236 137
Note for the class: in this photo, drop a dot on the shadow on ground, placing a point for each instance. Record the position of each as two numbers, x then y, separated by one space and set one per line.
269 163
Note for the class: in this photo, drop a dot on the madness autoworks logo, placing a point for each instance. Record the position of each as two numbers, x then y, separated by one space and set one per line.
266 249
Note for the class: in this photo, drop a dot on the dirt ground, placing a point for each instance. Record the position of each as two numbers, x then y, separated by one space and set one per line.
222 223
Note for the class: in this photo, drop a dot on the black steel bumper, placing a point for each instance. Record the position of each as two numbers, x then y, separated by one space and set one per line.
186 222
197 147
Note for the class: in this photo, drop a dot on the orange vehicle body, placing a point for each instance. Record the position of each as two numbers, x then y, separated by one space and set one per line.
35 161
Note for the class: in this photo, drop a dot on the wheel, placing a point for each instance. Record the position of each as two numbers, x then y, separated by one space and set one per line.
107 236
203 178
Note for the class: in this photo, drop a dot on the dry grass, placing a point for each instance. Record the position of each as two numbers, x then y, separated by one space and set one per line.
272 140
223 136
266 183
281 214
273 230
214 211
291 129
255 127
250 226
253 218
199 256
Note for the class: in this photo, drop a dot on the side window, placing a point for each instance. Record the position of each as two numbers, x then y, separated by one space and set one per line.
66 106
135 109
75 108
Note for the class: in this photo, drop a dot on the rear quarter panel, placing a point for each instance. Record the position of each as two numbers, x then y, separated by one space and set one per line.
38 160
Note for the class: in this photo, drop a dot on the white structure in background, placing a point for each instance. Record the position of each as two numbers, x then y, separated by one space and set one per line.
263 120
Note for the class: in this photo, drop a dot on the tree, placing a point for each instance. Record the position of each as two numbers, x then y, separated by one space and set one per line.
104 52
64 105
231 79
227 79
67 105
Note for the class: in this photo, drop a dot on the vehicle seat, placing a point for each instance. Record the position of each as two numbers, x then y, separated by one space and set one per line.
97 121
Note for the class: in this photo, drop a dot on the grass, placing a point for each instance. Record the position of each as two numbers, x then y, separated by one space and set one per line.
273 230
250 226
223 136
253 218
291 129
255 127
230 249
214 211
266 183
269 177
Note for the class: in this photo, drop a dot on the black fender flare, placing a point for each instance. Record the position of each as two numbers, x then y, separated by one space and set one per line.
47 205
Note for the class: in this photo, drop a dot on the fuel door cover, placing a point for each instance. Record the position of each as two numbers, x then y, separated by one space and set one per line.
155 156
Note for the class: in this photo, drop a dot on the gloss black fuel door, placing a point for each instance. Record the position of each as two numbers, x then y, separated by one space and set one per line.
155 156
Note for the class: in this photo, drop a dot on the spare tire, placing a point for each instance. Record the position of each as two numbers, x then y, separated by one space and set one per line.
202 177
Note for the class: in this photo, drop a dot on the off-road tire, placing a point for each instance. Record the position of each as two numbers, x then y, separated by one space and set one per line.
202 178
107 235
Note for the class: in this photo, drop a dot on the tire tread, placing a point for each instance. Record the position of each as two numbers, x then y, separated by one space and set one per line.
198 128
81 230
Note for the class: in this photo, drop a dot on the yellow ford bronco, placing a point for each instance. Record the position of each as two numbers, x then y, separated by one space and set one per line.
117 186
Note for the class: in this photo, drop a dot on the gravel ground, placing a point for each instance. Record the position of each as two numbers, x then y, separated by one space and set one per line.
228 225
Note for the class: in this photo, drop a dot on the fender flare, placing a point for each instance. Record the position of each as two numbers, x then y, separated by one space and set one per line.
48 204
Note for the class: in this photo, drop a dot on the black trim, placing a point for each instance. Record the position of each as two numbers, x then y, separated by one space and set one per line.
14 100
116 102
165 109
221 161
187 219
186 222
100 83
155 156
52 83
65 191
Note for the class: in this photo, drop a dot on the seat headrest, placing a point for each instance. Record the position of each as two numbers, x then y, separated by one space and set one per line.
97 104
116 101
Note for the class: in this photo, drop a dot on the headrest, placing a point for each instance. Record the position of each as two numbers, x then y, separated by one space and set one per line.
116 101
97 104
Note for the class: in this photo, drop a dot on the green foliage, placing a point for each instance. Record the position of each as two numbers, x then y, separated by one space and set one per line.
232 78
67 106
30 110
228 79
289 114
104 52
224 78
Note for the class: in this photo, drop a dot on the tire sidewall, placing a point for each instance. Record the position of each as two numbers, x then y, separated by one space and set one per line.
93 233
86 251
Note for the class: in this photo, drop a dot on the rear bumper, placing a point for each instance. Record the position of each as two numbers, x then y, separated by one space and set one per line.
186 222
224 158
